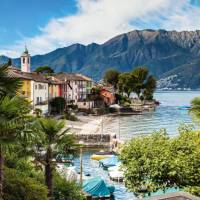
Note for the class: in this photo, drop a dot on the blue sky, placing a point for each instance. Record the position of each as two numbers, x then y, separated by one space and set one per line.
45 25
23 18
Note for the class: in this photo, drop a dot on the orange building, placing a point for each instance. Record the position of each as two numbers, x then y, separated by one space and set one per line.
108 96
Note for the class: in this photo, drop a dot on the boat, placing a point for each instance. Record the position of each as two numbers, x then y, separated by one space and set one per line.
109 162
114 168
64 159
69 172
101 155
97 188
116 175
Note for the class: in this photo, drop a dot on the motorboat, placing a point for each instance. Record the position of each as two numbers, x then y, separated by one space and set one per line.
98 188
109 162
101 155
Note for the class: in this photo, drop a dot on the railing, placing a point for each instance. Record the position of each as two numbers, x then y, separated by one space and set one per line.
41 103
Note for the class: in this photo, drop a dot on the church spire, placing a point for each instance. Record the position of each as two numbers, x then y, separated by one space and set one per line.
26 50
25 61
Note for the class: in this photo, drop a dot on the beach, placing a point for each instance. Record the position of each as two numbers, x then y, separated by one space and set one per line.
89 124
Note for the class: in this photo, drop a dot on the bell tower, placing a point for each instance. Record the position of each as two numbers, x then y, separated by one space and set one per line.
25 61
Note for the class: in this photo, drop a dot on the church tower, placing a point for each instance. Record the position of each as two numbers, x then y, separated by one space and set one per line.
25 61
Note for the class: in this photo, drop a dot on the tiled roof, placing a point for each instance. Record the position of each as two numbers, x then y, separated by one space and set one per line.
54 80
27 76
57 79
72 76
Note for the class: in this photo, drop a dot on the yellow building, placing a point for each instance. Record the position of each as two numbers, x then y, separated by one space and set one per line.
26 88
26 79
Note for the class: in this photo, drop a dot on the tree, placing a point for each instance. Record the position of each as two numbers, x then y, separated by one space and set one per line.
44 70
195 108
157 162
138 81
126 83
13 123
66 190
19 187
150 87
9 85
111 77
140 75
52 140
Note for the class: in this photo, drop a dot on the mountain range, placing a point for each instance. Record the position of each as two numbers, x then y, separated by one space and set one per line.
173 57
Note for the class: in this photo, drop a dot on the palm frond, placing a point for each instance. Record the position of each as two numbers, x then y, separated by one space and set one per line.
9 85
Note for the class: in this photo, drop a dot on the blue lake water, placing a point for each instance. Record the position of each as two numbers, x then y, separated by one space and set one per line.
167 116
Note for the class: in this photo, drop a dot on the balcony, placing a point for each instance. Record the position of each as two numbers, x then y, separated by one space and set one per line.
41 103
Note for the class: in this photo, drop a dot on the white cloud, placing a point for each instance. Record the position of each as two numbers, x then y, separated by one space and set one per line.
100 20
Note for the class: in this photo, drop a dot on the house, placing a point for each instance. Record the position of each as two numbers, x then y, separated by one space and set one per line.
34 86
25 90
75 87
39 89
39 92
55 87
107 95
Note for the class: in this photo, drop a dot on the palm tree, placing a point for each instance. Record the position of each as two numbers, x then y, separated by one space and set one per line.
12 126
8 87
9 84
53 139
195 108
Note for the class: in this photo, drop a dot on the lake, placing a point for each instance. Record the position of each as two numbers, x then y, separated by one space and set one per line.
167 116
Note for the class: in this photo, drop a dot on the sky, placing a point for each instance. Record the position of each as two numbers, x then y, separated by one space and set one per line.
45 25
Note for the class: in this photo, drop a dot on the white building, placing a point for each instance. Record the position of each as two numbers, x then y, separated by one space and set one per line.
39 84
75 87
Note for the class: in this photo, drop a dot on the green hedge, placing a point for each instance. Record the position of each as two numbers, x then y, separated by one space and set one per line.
18 187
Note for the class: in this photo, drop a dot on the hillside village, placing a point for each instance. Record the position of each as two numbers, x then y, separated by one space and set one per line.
40 89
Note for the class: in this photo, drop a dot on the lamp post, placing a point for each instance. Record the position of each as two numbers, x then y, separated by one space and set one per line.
81 162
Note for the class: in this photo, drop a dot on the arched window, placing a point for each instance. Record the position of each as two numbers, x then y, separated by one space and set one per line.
23 60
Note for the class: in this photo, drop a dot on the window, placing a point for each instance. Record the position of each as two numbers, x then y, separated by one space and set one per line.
38 100
23 60
40 87
28 60
36 87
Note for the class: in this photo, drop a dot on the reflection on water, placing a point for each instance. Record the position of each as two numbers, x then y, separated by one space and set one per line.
167 116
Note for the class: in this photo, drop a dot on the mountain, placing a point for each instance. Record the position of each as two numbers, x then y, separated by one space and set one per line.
165 53
184 77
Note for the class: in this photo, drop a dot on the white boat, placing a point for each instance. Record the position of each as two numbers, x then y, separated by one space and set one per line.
68 172
116 175
114 168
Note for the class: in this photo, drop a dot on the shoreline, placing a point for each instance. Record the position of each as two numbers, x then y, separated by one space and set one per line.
89 124
89 130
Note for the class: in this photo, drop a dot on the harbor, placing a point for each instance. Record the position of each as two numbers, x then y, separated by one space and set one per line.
127 127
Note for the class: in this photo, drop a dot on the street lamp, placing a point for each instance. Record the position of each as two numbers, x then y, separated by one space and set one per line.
81 143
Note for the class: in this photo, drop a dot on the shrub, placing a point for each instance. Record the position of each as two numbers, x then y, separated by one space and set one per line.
19 187
64 190
70 117
157 162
